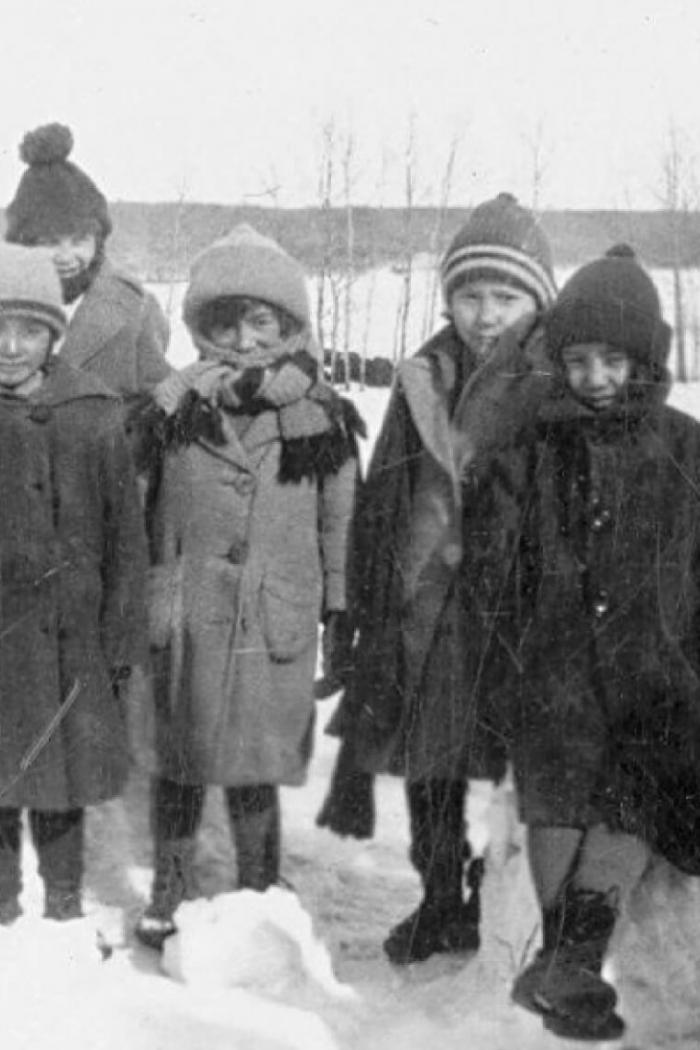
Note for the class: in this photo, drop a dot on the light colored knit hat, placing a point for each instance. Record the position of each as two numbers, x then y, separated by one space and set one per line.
505 240
30 287
246 263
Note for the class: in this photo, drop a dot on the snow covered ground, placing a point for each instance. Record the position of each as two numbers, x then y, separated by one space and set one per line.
61 991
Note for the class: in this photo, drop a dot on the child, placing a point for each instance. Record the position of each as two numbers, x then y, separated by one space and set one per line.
72 558
606 733
250 524
424 591
116 330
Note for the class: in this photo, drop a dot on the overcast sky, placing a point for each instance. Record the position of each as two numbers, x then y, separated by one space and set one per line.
222 100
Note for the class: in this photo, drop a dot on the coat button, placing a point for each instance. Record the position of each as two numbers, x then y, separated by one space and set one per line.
601 604
238 552
244 484
601 517
452 554
40 413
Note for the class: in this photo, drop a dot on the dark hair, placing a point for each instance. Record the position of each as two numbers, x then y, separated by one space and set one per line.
226 312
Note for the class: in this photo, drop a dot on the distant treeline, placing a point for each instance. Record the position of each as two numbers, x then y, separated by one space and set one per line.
159 240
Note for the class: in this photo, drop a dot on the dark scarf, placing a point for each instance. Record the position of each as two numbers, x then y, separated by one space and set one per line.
74 287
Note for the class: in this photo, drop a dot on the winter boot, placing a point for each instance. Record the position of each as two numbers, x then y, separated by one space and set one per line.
255 826
58 838
10 870
443 922
563 983
177 813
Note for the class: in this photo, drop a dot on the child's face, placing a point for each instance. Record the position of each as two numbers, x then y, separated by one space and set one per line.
596 373
71 253
483 310
258 327
24 346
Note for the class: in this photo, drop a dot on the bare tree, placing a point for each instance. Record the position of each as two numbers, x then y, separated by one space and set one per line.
372 286
348 159
437 233
540 154
677 181
407 262
325 196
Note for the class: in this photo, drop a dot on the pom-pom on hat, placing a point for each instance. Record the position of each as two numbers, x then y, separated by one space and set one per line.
54 197
29 286
246 263
501 240
614 301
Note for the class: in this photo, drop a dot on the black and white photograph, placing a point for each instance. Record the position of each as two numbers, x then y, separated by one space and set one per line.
350 525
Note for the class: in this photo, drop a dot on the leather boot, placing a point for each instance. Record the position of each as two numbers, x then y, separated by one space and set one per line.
564 983
58 838
255 826
177 813
443 921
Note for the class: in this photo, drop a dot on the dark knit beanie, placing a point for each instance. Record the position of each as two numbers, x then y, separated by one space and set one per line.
501 240
247 264
55 197
612 300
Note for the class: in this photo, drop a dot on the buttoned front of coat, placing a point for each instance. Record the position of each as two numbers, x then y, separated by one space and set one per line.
243 563
72 563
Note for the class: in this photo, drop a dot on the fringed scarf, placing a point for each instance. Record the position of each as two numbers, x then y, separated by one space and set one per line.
318 428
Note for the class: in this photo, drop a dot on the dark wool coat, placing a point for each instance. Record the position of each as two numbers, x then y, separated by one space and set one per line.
119 334
426 589
606 715
72 566
244 564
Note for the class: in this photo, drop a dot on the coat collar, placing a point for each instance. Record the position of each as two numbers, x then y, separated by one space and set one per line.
63 384
427 380
99 316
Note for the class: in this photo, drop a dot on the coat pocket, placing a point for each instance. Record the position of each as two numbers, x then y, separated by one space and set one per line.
164 596
291 610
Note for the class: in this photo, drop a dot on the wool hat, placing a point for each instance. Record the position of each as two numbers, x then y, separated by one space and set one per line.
501 239
54 196
246 263
29 286
611 300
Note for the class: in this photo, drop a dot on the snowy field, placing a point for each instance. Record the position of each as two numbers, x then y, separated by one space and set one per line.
270 987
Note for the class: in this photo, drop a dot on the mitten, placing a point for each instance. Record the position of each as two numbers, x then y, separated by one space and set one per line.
349 806
336 654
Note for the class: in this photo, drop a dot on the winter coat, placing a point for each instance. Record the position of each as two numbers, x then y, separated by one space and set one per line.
72 564
425 584
606 705
246 559
119 334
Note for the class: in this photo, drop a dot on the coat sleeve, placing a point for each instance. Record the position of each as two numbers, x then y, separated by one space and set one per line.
124 557
337 498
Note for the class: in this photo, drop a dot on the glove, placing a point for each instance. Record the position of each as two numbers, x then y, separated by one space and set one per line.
349 805
336 654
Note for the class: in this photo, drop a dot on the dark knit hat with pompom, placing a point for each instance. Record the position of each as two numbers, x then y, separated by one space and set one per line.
611 300
501 240
54 197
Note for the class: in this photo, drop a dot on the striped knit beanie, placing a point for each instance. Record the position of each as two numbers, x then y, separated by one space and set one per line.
503 241
612 300
247 264
29 286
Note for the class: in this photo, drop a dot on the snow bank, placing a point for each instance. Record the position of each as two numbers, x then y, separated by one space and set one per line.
262 941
